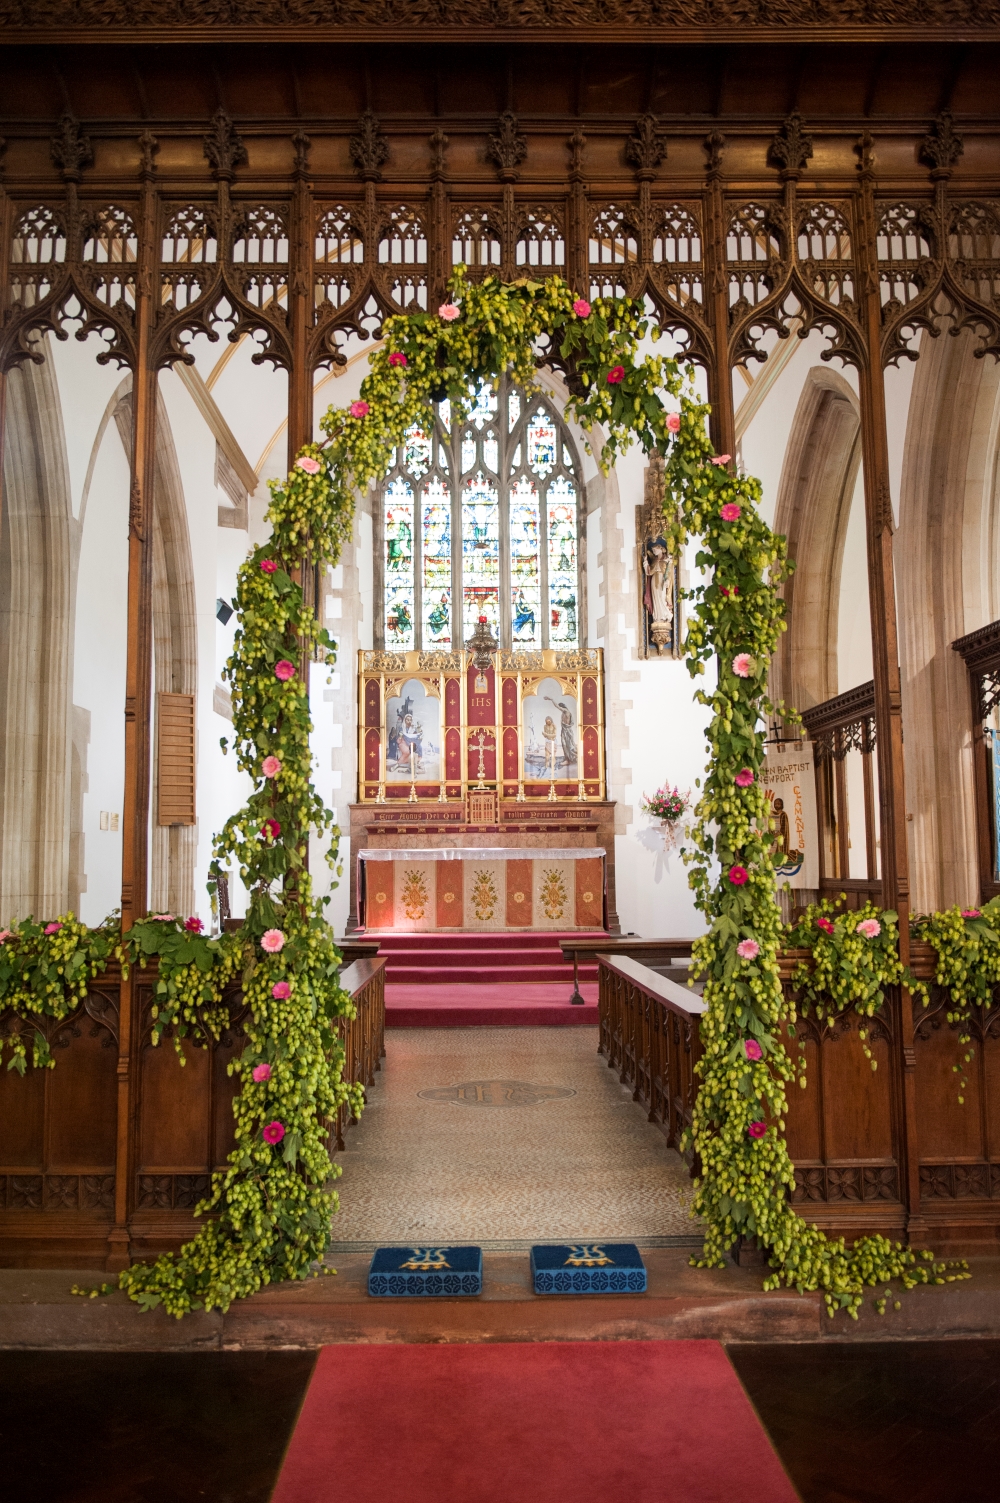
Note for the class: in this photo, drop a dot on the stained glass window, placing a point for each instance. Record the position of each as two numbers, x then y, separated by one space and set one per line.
480 517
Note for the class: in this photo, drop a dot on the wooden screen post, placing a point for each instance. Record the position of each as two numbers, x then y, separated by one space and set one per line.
722 423
885 657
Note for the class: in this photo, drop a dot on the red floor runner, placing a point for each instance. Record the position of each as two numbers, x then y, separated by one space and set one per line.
549 1422
459 1005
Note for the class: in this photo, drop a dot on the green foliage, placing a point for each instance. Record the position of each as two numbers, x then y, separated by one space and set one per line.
967 943
45 969
193 972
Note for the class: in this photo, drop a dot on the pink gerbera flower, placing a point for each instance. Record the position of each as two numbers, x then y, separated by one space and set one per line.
448 312
270 767
752 1049
730 512
757 1129
674 422
870 928
52 928
720 459
5 934
748 949
743 665
281 991
729 590
359 409
162 918
274 1132
271 829
972 913
284 670
193 925
268 566
581 308
397 358
744 777
272 940
825 924
738 875
261 1073
616 375
307 463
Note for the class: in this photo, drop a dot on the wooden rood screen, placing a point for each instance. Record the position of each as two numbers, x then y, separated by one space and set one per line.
860 1166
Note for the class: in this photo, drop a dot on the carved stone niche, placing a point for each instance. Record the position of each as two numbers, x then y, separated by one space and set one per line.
657 574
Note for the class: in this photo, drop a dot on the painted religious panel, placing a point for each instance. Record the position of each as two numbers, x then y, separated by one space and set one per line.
413 735
789 781
657 573
550 733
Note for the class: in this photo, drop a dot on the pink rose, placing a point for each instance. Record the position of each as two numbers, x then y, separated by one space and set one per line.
730 512
616 375
193 925
359 409
310 465
268 565
52 928
274 1132
448 312
744 778
748 949
270 767
581 308
757 1129
674 422
743 665
271 829
752 1049
261 1073
720 459
272 940
972 913
281 991
870 928
825 924
397 358
738 875
284 670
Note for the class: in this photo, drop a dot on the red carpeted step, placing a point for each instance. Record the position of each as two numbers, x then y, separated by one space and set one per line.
553 1422
529 1005
459 957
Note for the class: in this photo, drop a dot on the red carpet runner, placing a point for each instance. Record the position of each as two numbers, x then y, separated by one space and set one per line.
486 980
547 1422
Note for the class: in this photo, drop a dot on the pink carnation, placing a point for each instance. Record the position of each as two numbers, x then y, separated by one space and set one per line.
744 778
616 375
752 1049
52 928
359 409
581 308
869 928
730 512
743 665
284 670
281 991
825 924
720 459
397 358
757 1129
268 566
738 875
674 422
193 925
310 465
274 1132
272 940
261 1073
448 312
748 949
270 767
972 913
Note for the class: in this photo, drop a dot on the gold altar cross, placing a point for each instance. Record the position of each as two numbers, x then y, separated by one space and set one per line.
481 741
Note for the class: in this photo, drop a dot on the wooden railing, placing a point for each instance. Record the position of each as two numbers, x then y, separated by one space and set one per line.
61 1130
860 1164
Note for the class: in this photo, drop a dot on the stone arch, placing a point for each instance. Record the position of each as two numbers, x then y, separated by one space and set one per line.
947 556
817 486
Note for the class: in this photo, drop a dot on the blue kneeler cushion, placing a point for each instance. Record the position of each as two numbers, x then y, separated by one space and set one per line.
589 1268
411 1271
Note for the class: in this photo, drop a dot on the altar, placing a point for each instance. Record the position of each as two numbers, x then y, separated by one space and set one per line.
486 888
482 793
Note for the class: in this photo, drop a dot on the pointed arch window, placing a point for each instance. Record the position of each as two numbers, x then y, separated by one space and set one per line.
482 518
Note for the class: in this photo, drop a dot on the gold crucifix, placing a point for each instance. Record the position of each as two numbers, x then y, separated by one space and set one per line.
481 741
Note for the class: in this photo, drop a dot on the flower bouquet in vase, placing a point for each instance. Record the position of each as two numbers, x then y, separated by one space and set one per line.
669 806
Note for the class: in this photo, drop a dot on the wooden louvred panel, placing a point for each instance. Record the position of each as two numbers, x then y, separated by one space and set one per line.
175 759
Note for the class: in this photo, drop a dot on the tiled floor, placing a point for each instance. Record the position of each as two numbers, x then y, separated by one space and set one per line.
508 1160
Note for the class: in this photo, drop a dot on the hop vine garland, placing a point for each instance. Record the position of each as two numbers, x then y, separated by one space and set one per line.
273 1203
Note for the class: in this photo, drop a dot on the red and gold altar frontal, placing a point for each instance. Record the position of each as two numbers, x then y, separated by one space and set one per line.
435 727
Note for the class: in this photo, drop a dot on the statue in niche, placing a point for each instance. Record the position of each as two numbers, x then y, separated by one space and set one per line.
658 573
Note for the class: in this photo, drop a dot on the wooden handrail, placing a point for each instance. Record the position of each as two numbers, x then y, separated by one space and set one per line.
363 1035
